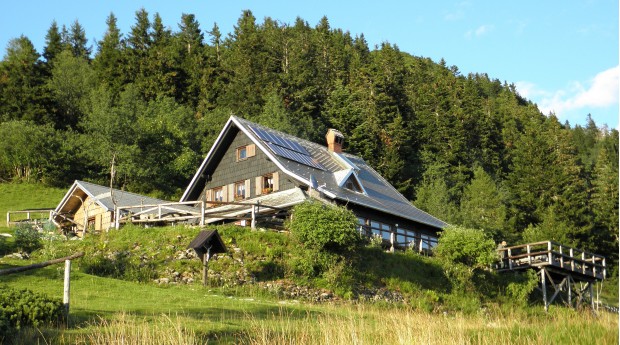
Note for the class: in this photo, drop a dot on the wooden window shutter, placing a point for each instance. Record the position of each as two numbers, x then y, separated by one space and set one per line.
276 181
247 189
259 185
230 193
251 150
209 195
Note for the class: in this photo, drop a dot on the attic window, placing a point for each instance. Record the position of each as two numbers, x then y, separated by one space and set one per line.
353 185
245 152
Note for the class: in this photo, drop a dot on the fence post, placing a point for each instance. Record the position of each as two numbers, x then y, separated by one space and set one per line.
253 223
202 213
67 288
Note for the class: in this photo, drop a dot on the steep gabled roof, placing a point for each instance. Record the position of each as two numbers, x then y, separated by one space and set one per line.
331 171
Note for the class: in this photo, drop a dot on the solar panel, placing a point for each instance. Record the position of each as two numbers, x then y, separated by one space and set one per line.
278 140
294 156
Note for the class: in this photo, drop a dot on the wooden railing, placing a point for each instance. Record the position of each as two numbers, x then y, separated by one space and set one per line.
41 215
549 253
415 242
160 213
171 212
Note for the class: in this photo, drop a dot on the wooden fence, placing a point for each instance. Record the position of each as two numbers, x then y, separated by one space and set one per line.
33 216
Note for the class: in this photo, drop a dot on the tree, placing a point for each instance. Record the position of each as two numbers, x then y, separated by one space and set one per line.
482 205
53 43
22 94
78 42
71 83
109 57
433 196
25 150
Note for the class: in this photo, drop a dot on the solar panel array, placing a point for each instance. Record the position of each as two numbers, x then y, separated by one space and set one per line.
286 148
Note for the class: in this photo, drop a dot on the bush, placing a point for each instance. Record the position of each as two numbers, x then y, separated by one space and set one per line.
461 252
21 308
27 238
322 227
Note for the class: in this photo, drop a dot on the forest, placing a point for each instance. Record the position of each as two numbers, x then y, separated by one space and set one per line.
142 108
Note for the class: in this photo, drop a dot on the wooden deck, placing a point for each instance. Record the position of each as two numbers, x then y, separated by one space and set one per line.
555 257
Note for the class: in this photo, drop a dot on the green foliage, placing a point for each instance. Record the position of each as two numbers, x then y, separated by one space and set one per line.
27 238
23 308
462 252
321 227
520 286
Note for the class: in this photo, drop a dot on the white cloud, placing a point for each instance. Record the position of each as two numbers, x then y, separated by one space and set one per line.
600 92
481 30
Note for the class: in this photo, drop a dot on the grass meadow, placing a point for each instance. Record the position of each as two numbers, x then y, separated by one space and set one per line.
105 310
111 311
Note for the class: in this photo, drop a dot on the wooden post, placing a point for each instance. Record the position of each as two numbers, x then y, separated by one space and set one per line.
543 272
529 257
590 285
570 290
202 213
253 223
392 238
67 289
549 253
561 257
205 266
572 260
509 258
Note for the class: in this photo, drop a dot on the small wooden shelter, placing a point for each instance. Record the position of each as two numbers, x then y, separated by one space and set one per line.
206 244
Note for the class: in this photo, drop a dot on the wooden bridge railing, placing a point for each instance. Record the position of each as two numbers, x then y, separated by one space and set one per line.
549 253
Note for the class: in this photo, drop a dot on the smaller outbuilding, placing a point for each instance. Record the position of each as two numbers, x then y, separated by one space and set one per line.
91 207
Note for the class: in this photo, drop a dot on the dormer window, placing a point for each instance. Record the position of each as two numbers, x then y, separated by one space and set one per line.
353 185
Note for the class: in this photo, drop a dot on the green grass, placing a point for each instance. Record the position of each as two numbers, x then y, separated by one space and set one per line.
21 196
105 309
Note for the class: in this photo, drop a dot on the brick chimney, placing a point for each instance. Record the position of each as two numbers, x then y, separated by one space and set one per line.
335 140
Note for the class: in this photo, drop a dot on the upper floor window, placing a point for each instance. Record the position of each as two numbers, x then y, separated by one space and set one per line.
242 153
245 152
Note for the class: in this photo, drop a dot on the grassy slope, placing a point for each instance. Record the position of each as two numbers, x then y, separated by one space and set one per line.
21 196
249 316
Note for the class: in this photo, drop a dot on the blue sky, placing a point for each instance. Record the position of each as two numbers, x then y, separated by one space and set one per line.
562 55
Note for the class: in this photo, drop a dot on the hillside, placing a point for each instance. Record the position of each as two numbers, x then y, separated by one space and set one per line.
145 281
466 148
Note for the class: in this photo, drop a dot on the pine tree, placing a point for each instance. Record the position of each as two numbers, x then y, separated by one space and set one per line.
78 42
22 92
109 58
53 44
482 205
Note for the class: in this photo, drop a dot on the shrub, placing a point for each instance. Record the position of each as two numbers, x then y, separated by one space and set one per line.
27 238
21 308
461 252
325 228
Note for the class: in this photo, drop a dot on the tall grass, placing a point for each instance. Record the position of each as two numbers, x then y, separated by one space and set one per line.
369 325
128 330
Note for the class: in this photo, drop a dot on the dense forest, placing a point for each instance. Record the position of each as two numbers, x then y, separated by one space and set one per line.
145 106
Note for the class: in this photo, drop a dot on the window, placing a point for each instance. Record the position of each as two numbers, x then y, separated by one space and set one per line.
245 152
240 190
242 153
267 183
218 194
